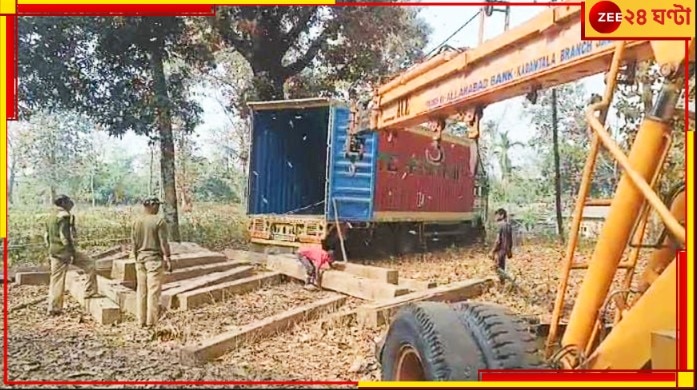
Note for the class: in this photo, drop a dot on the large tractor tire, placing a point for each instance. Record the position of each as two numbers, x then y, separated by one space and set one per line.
504 339
426 342
432 341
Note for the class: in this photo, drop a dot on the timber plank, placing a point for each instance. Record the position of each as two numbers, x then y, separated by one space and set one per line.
125 270
108 252
192 272
385 275
103 310
223 343
124 297
379 313
185 247
252 257
169 299
196 298
37 278
416 285
339 281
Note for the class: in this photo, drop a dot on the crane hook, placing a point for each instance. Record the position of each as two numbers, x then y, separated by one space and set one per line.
440 154
438 126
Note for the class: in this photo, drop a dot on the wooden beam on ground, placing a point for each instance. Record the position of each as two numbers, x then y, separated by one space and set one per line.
169 299
125 270
12 272
185 247
33 278
252 257
385 275
108 252
193 272
107 262
221 344
207 295
339 319
379 313
103 310
416 285
124 297
339 281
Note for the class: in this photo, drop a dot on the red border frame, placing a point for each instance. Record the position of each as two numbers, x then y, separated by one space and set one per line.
208 10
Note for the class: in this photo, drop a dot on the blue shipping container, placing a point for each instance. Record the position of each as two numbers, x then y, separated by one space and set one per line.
297 164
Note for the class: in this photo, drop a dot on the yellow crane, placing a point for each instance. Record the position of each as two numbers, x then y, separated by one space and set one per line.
436 341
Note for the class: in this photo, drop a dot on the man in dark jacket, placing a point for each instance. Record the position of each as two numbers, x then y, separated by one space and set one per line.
503 247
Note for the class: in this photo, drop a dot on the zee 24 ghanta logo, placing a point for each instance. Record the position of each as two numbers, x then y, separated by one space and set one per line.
606 17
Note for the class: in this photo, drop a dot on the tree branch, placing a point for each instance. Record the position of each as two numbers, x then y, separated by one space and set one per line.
231 37
302 62
305 20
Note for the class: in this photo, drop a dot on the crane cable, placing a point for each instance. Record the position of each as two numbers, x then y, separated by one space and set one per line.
470 20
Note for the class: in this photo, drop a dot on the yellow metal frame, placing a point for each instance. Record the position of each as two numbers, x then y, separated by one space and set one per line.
287 230
663 350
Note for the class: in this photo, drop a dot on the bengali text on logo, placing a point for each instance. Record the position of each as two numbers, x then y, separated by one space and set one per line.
629 19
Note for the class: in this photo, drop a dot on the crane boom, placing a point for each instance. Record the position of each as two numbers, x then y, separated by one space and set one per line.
544 52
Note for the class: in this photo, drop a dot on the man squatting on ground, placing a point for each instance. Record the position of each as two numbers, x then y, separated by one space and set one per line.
503 247
314 258
62 252
151 253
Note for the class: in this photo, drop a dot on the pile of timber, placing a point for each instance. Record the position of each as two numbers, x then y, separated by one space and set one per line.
385 290
382 288
199 277
202 277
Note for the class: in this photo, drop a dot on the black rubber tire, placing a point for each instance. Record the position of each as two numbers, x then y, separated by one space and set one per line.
503 338
433 329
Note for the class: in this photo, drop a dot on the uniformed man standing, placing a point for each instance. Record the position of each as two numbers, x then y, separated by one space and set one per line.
59 237
152 255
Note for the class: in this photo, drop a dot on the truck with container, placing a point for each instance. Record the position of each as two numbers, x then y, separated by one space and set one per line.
310 182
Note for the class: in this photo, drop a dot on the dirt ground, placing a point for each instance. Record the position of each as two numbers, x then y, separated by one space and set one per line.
72 347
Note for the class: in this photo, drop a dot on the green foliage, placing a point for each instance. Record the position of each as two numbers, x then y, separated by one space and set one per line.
104 68
318 48
501 149
214 226
53 148
632 101
126 74
574 142
213 189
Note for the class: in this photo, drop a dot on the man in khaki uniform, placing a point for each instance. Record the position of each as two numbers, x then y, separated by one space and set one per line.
151 253
60 229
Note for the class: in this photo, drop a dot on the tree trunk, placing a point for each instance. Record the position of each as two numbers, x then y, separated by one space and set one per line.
11 181
92 189
150 177
268 84
557 167
164 124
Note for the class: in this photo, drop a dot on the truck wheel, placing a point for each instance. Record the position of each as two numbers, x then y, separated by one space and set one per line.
427 342
406 241
503 338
